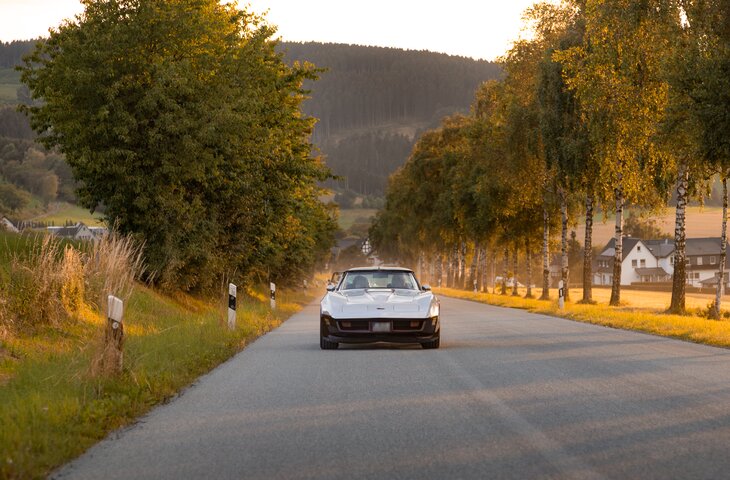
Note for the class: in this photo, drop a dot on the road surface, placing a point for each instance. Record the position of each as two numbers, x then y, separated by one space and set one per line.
509 395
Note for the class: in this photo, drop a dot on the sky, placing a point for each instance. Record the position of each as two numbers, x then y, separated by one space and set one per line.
472 28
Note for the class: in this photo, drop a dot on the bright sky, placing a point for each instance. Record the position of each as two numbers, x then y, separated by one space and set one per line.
472 28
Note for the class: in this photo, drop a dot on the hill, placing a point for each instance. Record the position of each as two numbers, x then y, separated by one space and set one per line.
372 102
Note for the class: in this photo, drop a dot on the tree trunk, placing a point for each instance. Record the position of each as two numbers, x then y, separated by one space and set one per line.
679 277
483 269
564 244
505 267
438 269
588 253
462 265
514 271
494 271
528 254
545 256
723 252
473 266
450 269
618 256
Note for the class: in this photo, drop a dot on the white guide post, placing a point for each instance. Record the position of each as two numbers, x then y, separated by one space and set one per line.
231 306
561 295
113 336
115 309
272 287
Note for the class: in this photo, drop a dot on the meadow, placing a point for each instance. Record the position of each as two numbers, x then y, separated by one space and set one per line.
349 217
700 222
55 401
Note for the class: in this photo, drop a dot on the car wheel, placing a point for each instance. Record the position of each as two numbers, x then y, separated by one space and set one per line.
433 343
325 344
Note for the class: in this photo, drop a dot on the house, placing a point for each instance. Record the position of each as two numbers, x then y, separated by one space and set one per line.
6 224
76 232
638 265
652 261
663 251
703 261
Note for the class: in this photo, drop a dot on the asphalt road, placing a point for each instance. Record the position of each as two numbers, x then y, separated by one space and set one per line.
509 395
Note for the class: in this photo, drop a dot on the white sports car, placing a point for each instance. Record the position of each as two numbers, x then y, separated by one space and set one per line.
379 304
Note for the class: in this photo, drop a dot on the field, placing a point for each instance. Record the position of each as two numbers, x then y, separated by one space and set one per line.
60 213
701 222
352 216
9 83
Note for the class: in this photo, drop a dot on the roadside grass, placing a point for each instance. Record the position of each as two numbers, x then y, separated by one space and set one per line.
693 328
52 408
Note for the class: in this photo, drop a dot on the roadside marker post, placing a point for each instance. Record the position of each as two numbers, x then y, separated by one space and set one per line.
114 334
475 286
272 287
231 306
561 295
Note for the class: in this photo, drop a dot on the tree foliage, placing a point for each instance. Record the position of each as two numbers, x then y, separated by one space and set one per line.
183 121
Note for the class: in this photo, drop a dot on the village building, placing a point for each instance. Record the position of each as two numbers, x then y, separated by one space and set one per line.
7 225
652 261
78 231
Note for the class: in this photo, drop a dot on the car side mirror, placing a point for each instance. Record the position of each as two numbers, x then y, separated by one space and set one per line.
426 288
331 287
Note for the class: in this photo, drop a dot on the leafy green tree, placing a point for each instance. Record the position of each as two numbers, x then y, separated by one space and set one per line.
617 76
182 120
698 122
13 198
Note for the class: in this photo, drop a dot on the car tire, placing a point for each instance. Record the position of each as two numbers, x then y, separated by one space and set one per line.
432 344
325 344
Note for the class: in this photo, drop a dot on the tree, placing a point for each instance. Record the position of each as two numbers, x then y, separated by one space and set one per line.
617 76
13 198
184 122
700 75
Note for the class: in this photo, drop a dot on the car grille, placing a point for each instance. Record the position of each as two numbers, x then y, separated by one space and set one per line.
406 325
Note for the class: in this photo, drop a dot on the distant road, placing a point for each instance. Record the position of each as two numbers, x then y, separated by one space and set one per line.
509 395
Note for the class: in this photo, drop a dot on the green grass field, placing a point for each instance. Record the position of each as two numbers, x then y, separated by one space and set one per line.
9 84
62 212
349 217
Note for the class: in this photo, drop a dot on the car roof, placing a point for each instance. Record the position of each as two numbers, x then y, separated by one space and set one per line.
373 269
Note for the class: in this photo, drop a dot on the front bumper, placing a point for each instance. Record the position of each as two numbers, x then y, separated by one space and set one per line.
414 330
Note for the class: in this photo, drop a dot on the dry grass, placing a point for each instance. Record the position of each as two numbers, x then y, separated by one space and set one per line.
111 267
51 280
693 328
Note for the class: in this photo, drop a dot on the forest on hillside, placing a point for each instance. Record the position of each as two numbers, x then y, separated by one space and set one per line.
372 102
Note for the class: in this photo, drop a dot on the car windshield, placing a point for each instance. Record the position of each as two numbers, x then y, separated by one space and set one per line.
395 279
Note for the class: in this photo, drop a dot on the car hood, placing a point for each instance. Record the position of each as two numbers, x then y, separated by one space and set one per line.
379 303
